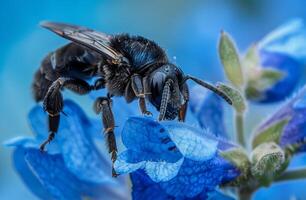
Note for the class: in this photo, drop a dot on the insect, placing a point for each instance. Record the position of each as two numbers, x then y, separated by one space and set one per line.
129 66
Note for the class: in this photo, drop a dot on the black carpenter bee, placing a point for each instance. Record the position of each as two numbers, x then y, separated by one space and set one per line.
129 66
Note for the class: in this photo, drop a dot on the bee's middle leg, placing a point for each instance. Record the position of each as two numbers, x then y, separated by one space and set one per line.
103 105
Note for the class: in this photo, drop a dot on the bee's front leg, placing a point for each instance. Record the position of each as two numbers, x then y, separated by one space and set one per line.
183 108
138 89
103 104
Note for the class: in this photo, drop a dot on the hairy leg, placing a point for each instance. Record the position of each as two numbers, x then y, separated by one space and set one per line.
103 105
53 102
138 89
183 108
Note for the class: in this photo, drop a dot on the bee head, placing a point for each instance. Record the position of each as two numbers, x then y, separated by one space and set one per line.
165 94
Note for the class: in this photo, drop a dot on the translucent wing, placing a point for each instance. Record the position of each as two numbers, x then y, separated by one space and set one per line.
97 41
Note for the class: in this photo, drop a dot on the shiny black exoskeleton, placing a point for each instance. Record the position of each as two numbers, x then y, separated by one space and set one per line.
129 66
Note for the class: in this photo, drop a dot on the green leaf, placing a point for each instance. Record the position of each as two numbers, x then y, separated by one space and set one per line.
267 162
234 95
238 157
230 60
263 80
271 133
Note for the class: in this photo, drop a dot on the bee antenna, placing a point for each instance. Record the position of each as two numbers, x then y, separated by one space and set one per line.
210 87
164 100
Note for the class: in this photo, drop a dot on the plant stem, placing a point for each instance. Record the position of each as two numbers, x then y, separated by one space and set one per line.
244 195
239 128
292 175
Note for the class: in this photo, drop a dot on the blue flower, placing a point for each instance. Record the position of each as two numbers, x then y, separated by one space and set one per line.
294 132
171 159
284 49
208 109
288 39
73 167
291 70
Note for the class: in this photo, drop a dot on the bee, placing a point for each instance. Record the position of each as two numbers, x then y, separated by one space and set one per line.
129 66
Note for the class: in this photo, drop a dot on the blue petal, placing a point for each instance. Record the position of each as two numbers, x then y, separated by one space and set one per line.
196 180
199 171
47 175
145 189
191 142
150 148
295 110
289 39
291 70
51 171
27 176
150 138
74 142
79 152
157 171
208 109
25 142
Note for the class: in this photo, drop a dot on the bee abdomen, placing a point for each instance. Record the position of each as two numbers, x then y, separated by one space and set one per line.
43 78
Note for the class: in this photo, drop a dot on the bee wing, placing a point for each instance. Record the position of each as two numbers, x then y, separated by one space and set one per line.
97 41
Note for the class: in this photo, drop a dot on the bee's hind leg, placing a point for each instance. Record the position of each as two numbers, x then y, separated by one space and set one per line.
53 102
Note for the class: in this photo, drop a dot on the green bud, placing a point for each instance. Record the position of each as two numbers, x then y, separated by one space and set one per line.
267 162
230 60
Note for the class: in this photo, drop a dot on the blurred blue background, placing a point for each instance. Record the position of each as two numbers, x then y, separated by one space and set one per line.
187 30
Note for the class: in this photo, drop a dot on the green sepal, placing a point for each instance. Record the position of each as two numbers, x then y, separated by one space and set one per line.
259 79
268 160
230 60
266 78
234 95
238 157
271 133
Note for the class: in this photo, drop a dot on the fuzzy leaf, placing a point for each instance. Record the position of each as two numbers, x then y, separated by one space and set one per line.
267 161
270 134
230 59
234 95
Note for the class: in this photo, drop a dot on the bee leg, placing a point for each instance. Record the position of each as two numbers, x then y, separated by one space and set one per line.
53 126
138 89
103 104
183 108
53 102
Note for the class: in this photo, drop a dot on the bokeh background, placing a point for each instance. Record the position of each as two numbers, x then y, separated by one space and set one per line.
187 30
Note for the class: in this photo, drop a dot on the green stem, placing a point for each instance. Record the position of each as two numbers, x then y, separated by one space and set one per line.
239 128
292 175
